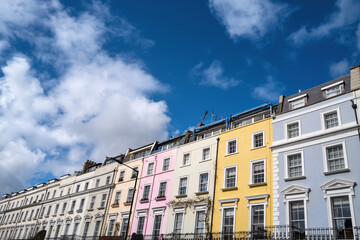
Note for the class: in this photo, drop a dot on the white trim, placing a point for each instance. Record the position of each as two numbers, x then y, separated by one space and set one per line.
339 188
250 206
142 195
325 160
286 155
286 130
340 133
222 216
252 139
208 182
297 97
202 154
252 169
182 221
163 181
323 124
227 146
332 85
187 184
257 197
229 200
182 160
195 213
147 168
224 177
162 167
313 108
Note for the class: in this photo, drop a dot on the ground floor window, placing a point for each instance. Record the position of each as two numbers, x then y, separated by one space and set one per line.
200 222
178 222
257 218
140 226
97 228
342 217
124 226
157 226
111 227
228 221
297 215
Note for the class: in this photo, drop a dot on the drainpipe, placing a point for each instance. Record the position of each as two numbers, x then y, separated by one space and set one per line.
212 209
354 106
108 200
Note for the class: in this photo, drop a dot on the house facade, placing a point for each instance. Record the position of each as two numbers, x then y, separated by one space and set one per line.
316 158
243 191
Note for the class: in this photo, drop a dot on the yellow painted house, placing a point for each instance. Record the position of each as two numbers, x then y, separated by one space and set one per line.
243 188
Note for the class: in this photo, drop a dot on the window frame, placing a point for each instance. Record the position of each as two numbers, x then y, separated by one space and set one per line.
251 205
325 159
202 154
224 177
323 121
331 86
186 187
121 176
286 158
207 183
227 146
163 164
196 212
127 196
234 208
263 160
253 139
182 221
153 168
286 130
159 195
141 215
143 198
117 202
189 163
296 99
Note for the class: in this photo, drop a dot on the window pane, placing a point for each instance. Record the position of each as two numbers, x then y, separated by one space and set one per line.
293 130
257 217
258 140
258 172
200 222
232 147
295 165
178 222
331 120
297 215
342 217
203 182
335 157
230 177
228 220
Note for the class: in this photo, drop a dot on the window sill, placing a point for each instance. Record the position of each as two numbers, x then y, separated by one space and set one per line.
255 148
90 210
101 208
54 215
229 189
257 184
187 165
205 160
47 216
144 200
79 211
202 193
160 198
115 205
181 196
294 178
61 214
70 212
337 171
127 203
229 154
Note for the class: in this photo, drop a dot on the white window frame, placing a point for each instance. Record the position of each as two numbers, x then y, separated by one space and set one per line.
187 185
253 139
179 211
250 206
162 167
297 99
143 192
127 195
182 163
323 124
159 188
286 155
330 192
327 88
123 176
196 210
147 169
234 207
202 154
325 160
158 213
252 170
289 197
118 201
141 214
208 181
224 177
287 132
227 146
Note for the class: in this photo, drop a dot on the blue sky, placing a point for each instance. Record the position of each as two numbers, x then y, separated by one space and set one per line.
88 79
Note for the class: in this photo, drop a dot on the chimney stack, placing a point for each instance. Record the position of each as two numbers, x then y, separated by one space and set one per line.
281 102
355 77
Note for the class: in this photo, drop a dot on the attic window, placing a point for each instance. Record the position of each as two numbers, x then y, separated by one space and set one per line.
333 89
298 102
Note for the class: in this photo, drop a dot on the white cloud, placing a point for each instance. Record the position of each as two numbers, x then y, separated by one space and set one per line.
251 19
338 23
338 69
98 105
213 76
270 91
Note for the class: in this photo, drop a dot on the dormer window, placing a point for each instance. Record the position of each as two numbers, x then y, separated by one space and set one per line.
333 89
297 102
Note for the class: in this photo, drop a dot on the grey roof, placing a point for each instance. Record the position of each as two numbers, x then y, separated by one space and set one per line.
315 94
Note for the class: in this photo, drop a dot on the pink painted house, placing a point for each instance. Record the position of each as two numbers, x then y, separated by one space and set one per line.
151 208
